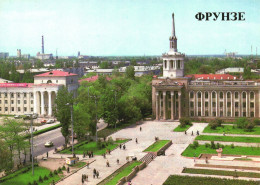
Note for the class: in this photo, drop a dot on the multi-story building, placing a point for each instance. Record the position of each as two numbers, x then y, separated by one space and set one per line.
37 97
4 55
200 96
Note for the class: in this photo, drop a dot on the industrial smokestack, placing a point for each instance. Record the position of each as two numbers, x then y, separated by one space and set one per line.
42 45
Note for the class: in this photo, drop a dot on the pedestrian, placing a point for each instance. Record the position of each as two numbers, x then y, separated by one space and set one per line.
107 163
206 160
185 132
124 147
68 169
88 165
224 134
82 179
117 161
104 155
84 154
136 140
194 159
97 174
95 171
198 133
87 178
192 133
92 154
120 146
140 129
129 183
109 151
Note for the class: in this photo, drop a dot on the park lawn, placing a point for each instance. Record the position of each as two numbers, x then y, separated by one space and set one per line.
25 178
229 129
155 147
92 146
126 171
228 138
237 150
182 129
79 164
221 172
188 180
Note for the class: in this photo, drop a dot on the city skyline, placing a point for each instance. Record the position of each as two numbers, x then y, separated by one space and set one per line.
117 28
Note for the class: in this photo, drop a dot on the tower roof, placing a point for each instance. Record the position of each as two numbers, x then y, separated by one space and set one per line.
57 73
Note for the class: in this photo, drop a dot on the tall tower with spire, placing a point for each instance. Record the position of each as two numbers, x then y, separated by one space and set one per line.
173 61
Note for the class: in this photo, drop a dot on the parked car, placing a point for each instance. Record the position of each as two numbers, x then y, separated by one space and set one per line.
17 116
48 144
43 121
50 121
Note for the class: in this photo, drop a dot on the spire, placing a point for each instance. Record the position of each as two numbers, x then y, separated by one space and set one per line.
173 26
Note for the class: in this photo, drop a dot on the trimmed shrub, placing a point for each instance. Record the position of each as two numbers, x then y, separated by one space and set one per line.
63 167
51 174
207 145
232 145
40 179
35 183
241 122
249 127
196 144
59 170
110 140
257 121
45 177
55 172
29 183
184 122
215 123
212 145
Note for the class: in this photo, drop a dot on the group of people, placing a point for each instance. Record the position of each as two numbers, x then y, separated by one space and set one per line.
122 146
95 173
84 178
89 153
198 133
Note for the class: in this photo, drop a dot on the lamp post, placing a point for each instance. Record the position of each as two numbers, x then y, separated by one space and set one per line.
71 113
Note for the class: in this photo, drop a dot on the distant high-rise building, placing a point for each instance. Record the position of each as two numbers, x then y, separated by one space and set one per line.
4 54
42 45
78 53
19 53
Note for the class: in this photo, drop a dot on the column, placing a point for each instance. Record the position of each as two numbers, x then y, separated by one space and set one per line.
34 102
42 103
241 104
172 113
157 106
232 104
195 102
179 99
224 104
247 103
202 103
50 105
164 105
217 105
210 104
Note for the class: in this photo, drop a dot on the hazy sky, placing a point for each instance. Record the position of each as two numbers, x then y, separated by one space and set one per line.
126 27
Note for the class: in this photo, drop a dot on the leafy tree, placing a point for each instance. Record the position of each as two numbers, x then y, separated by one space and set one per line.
130 72
133 62
63 113
5 157
104 65
39 64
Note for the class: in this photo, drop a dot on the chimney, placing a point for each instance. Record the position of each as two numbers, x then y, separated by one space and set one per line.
42 45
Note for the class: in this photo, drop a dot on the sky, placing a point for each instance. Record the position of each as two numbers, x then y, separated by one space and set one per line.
126 27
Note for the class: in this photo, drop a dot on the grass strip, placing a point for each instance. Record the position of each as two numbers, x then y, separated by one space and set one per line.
237 150
221 172
43 130
23 178
228 138
229 129
182 129
92 146
125 172
155 147
79 164
188 180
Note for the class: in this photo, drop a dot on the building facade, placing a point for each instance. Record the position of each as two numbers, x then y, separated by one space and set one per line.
37 97
200 96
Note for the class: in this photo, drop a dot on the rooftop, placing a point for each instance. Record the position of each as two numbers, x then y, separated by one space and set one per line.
212 76
57 73
92 79
16 85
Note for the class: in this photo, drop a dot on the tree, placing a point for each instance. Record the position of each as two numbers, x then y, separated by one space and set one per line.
104 65
63 113
130 72
5 157
39 64
133 62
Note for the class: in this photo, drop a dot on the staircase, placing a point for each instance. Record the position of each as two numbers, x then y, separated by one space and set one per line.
148 158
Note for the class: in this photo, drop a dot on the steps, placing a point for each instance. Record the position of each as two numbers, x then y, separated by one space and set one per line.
148 158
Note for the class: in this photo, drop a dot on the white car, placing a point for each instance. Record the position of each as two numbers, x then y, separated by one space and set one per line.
50 121
48 144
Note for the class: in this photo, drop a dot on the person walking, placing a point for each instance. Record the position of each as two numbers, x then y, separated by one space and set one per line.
120 146
192 133
185 132
136 141
107 163
140 129
97 174
117 161
124 147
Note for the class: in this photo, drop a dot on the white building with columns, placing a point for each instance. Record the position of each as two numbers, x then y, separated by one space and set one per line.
38 97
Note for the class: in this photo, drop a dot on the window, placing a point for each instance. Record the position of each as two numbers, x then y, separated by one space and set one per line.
18 95
12 101
229 95
228 114
0 108
191 94
19 109
206 95
228 104
252 95
236 104
5 95
31 101
199 113
199 94
252 114
213 94
244 94
49 82
178 64
221 95
206 104
18 101
0 101
171 62
199 104
221 114
6 102
176 96
191 113
213 104
206 113
214 114
244 105
12 108
24 102
221 104
165 64
0 95
191 104
244 114
24 95
12 95
25 109
31 109
31 95
6 108
236 95
236 114
57 81
251 104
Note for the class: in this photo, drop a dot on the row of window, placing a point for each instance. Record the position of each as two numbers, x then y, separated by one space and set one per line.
221 104
221 95
18 109
178 64
18 95
221 114
18 101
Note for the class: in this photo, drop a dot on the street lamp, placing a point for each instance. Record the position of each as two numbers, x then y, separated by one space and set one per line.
71 113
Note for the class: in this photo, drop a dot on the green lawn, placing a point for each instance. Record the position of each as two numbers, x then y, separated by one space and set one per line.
237 150
228 138
92 146
126 171
188 180
182 129
155 147
221 172
79 164
25 178
228 129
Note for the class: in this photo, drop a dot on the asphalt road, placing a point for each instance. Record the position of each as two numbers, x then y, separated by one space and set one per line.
55 136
